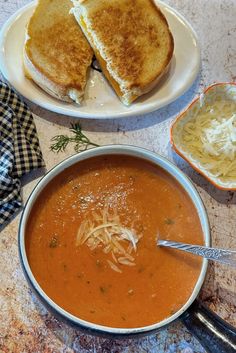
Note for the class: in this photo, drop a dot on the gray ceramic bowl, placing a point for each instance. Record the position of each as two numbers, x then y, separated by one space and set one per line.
112 150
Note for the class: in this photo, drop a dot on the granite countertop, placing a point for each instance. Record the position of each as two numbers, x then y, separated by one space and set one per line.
25 325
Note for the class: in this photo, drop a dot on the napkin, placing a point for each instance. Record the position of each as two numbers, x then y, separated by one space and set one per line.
19 150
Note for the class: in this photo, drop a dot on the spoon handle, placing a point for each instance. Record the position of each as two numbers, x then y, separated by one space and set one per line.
224 256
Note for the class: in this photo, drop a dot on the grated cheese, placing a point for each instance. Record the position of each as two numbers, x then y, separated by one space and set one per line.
104 229
210 138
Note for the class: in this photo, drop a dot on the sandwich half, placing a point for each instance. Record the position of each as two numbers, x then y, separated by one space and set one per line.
131 40
56 53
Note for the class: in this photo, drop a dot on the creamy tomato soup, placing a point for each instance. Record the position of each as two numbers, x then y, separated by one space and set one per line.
91 242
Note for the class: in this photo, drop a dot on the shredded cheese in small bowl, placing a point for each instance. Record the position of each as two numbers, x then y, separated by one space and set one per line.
205 135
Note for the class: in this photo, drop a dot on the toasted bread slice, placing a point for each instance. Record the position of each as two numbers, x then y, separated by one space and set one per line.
56 53
131 40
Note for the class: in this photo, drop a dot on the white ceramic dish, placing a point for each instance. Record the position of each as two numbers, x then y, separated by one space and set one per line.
100 100
216 92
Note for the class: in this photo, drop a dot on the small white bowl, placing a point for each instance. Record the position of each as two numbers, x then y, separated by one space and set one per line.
218 91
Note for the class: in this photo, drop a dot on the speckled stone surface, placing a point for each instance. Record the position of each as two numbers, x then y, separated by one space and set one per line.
25 325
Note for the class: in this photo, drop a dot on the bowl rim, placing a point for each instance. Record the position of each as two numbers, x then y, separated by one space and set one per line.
176 121
134 151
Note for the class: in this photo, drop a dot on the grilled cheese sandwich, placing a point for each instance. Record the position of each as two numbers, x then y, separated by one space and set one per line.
131 40
56 54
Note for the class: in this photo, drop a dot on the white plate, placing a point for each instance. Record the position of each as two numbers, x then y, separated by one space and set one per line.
100 101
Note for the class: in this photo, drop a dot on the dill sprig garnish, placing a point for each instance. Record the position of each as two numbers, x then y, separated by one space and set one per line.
81 141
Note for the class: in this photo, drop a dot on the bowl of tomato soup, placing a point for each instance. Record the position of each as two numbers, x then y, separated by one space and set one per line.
88 240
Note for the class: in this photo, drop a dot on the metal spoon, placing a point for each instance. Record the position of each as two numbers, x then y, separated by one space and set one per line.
224 256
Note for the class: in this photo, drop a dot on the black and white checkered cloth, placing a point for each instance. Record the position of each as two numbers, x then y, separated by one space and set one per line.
19 150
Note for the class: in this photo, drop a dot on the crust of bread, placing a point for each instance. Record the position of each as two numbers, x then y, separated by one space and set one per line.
55 90
133 40
56 54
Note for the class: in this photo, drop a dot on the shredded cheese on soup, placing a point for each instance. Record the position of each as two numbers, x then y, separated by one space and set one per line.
104 229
